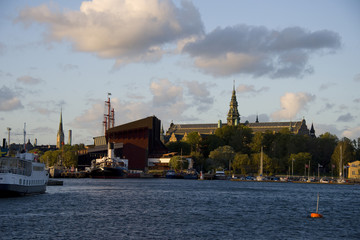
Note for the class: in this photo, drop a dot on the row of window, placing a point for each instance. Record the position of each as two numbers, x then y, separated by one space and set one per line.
31 182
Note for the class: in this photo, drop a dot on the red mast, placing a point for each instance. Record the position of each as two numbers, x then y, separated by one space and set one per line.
109 118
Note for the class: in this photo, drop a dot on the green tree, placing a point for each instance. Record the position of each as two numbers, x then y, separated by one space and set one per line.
344 151
222 156
193 139
210 143
242 164
299 160
179 147
269 167
178 163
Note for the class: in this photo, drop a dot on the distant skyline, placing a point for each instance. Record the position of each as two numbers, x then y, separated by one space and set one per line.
177 60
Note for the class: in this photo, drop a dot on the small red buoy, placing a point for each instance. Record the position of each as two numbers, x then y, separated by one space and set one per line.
316 215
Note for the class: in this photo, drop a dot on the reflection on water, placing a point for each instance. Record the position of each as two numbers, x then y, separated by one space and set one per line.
181 209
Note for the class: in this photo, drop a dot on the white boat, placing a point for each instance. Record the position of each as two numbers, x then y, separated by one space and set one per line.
220 175
22 175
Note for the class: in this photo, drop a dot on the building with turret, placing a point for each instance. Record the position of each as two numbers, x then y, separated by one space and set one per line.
60 134
177 132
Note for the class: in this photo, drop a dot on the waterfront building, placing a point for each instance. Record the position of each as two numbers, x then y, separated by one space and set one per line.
178 132
354 170
60 134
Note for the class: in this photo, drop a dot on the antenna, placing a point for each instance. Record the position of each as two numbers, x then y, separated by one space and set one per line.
9 129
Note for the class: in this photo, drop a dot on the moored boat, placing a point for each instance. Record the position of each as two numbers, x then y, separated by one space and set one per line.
22 175
109 166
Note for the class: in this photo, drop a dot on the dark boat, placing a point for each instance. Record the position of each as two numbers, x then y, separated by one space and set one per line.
191 174
109 166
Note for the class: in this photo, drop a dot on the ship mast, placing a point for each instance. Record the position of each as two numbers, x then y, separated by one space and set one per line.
109 117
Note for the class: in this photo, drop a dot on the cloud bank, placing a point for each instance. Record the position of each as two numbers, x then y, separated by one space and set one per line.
8 100
291 105
123 30
145 31
259 51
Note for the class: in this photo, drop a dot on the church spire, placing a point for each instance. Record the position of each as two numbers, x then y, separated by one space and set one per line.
312 131
233 118
60 133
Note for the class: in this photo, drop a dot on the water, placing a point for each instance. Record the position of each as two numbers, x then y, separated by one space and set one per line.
182 209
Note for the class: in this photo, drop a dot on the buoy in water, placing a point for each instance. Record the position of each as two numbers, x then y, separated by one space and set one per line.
316 215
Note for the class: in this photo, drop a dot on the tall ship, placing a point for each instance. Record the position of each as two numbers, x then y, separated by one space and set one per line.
22 175
109 166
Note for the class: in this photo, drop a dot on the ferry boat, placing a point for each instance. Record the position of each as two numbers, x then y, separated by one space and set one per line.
109 166
22 175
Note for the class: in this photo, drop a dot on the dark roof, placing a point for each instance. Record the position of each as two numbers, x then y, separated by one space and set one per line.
142 123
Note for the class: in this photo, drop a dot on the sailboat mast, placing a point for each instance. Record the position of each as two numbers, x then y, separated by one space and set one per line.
317 204
261 162
340 165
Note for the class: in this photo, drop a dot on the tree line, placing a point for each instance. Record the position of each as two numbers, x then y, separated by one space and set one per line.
67 156
238 148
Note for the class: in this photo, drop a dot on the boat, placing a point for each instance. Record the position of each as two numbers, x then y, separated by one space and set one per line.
109 166
220 175
324 180
191 174
170 174
22 175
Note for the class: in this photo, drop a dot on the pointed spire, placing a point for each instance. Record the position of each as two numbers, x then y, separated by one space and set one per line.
312 131
257 118
60 134
233 114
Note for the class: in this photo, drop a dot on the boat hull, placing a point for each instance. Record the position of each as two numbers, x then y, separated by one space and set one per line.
108 173
8 190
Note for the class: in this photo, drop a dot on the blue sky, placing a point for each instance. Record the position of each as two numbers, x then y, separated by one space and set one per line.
177 60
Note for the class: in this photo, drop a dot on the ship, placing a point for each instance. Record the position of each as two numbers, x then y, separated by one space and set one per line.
22 175
109 166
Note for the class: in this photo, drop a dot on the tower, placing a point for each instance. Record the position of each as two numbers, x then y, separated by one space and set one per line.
60 133
233 117
312 131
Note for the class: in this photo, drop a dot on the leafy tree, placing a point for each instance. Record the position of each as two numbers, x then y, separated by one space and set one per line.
193 139
199 160
345 151
269 166
242 164
177 163
209 144
299 160
222 156
179 147
238 137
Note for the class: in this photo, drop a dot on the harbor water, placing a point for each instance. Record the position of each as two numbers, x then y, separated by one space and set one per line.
182 209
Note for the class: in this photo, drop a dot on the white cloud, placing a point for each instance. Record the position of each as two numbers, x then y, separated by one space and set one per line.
165 93
8 100
125 30
352 133
258 51
291 105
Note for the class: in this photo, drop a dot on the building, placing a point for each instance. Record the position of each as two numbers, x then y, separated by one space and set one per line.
177 132
354 170
140 141
60 134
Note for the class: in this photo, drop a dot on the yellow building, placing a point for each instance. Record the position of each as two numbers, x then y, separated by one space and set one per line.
354 169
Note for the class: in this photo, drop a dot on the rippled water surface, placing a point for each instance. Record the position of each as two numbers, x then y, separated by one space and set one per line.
182 209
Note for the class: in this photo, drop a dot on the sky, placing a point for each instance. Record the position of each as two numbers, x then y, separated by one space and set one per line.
178 60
